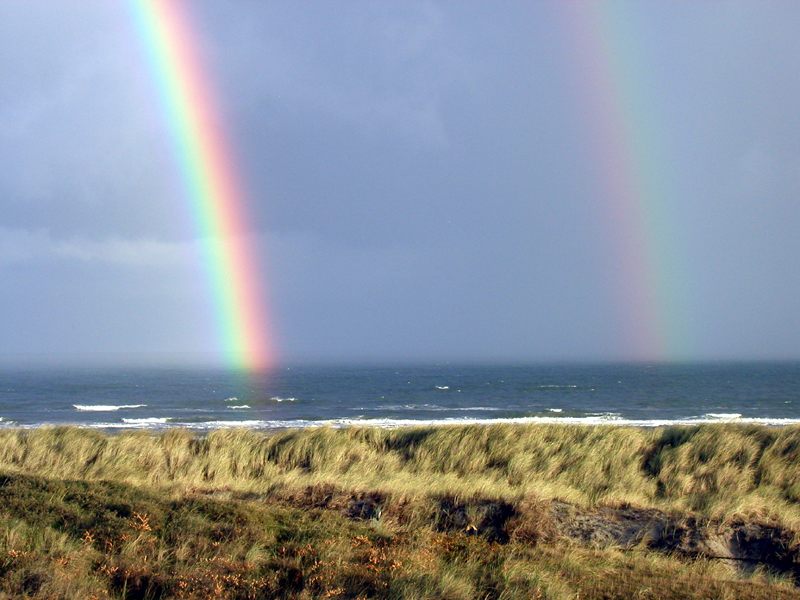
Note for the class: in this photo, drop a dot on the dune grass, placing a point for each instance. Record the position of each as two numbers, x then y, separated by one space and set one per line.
237 513
78 539
721 471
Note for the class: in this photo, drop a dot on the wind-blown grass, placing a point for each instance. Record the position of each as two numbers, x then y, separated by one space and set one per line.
721 471
247 514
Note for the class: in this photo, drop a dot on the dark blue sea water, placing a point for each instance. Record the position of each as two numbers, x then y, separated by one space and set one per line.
401 395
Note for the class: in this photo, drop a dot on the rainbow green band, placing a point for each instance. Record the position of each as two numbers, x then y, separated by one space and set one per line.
622 128
210 179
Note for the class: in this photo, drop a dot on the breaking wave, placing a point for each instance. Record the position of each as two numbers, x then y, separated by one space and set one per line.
105 407
388 423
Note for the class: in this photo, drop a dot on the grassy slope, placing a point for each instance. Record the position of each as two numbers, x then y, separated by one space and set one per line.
719 470
73 539
83 514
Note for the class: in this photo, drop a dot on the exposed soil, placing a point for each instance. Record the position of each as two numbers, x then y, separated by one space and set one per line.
749 544
746 545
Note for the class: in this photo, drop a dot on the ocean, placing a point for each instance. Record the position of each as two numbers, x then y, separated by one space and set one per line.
389 396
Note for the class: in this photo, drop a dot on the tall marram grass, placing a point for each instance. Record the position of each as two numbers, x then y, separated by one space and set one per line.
84 514
723 471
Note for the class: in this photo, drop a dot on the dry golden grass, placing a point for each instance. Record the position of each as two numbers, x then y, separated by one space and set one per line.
722 471
245 514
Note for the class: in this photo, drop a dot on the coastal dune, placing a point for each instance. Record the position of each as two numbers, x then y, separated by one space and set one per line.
719 470
711 509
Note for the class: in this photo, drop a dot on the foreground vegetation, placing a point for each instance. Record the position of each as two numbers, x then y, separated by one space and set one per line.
722 471
450 512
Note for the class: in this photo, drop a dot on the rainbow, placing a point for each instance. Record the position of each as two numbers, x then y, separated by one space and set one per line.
210 178
632 174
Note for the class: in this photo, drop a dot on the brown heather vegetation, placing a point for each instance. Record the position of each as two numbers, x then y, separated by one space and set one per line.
450 512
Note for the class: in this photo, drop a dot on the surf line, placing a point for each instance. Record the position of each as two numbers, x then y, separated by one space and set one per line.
211 180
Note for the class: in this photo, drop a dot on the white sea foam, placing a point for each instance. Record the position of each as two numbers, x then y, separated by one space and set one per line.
723 416
105 407
164 423
279 399
608 416
555 410
389 423
232 399
442 387
595 420
238 406
252 424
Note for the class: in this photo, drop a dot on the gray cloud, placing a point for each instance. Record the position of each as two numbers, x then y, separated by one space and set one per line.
419 179
18 246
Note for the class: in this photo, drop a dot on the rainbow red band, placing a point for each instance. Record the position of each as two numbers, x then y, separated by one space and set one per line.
621 129
211 181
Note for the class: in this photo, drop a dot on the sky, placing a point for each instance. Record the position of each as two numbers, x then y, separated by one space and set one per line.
423 181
